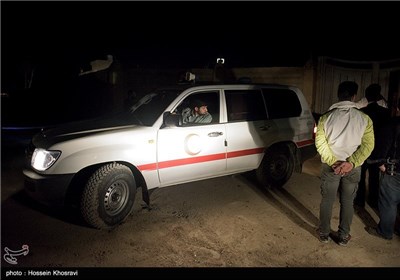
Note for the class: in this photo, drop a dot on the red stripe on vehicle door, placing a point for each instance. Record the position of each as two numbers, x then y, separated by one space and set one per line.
192 160
245 152
185 161
305 143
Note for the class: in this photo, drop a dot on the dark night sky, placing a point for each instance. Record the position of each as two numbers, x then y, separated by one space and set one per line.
193 34
57 37
182 32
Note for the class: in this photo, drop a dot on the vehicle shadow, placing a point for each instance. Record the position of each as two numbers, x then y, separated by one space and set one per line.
12 187
68 214
365 216
286 203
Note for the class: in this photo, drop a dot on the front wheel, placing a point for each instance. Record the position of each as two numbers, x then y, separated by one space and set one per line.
108 196
276 167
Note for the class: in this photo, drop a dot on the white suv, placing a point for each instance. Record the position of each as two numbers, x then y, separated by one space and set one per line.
260 127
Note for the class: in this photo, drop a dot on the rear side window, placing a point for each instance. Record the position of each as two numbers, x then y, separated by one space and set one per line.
281 103
245 105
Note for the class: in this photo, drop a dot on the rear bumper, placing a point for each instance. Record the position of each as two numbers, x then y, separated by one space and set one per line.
49 190
307 152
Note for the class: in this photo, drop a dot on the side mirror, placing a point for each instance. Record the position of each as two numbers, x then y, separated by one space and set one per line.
172 120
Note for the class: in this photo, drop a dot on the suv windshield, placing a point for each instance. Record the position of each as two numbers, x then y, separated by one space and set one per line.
152 105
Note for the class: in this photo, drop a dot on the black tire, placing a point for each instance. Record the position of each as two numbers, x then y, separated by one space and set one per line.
276 167
108 196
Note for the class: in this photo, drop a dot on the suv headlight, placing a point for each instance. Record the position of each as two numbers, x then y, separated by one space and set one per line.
43 159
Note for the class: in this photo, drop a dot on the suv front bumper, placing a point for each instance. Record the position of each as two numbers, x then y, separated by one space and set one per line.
47 189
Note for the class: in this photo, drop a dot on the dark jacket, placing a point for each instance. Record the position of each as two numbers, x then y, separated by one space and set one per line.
378 114
387 142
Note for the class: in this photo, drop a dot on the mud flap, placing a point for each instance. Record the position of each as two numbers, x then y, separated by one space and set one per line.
146 196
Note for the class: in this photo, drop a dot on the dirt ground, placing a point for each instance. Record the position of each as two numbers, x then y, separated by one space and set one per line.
220 222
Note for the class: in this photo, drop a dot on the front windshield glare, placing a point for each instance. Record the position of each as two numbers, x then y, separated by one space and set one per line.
151 106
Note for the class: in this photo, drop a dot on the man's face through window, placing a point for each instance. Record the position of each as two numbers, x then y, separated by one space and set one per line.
202 110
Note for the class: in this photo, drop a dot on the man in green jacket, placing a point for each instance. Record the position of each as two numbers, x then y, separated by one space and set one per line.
344 139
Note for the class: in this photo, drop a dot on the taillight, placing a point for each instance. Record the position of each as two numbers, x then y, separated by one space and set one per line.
314 131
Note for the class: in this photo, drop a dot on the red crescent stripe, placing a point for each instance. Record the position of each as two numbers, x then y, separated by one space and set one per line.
185 161
148 167
305 143
192 160
245 152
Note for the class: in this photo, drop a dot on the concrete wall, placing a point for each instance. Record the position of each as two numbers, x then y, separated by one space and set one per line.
331 72
141 81
301 77
318 81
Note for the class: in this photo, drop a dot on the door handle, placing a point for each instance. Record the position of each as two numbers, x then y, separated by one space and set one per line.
215 134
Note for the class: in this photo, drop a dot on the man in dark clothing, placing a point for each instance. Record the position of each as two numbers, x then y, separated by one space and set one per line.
379 116
387 154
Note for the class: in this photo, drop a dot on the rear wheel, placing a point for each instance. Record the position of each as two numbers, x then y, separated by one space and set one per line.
108 196
276 167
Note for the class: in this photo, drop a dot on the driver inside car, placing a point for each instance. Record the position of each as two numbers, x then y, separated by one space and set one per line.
198 114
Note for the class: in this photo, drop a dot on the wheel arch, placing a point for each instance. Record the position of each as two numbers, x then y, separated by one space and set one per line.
294 152
77 184
278 164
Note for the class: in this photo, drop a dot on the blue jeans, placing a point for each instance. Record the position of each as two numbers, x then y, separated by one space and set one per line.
347 186
389 198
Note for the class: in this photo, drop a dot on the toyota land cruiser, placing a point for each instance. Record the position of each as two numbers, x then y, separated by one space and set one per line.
260 127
